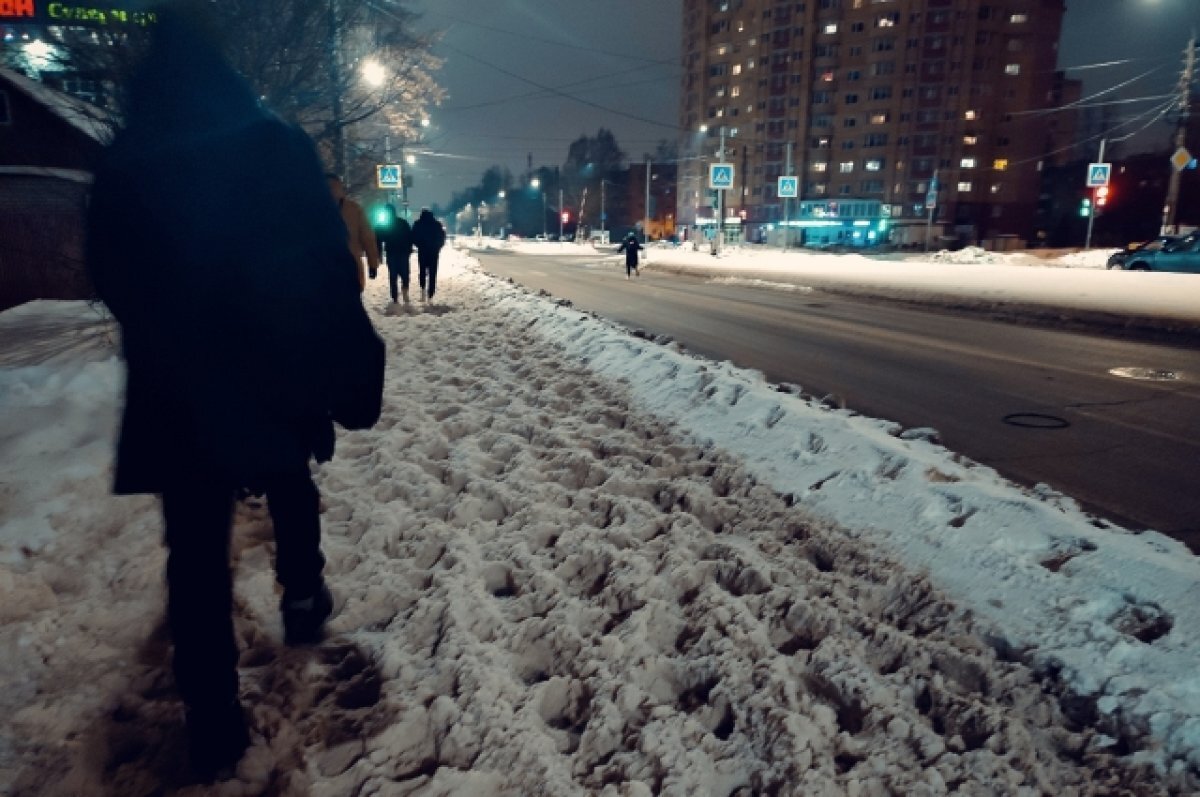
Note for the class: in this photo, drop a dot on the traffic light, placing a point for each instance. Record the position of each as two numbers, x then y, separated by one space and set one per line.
1085 207
381 218
1101 196
566 217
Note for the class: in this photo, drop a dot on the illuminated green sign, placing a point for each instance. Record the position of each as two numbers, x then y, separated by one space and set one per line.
93 14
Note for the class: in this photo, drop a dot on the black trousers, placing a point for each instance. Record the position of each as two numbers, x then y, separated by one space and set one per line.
398 268
427 263
198 513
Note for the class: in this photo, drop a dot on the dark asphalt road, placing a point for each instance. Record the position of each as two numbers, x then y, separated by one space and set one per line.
1036 404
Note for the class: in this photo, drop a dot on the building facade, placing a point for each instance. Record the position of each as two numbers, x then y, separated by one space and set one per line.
869 100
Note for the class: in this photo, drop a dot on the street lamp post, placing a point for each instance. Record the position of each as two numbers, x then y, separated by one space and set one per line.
537 183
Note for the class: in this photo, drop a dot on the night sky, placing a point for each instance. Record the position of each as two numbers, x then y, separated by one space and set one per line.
620 58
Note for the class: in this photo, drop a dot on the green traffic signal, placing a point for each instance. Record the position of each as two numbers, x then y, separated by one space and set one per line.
383 219
1085 207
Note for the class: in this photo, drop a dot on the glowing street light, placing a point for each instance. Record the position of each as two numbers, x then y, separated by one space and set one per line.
373 73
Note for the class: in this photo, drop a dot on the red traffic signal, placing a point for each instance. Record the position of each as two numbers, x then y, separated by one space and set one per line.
566 217
1101 196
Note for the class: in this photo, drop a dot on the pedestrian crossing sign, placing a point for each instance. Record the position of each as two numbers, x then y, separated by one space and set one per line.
387 175
788 187
1098 174
720 175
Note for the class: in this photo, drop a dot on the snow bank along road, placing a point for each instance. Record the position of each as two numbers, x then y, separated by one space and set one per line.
546 589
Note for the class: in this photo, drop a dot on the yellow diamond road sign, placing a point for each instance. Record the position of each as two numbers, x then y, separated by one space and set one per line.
1181 159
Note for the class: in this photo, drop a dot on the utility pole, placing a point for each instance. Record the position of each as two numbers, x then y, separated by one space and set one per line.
1169 225
1087 244
335 73
646 221
602 211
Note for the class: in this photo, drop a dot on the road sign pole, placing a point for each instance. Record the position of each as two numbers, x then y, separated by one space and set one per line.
932 206
717 239
1087 243
787 231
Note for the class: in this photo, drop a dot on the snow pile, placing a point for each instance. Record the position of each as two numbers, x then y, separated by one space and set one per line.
544 589
1087 258
968 254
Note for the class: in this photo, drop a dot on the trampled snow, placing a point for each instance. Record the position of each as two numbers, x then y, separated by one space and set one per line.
570 560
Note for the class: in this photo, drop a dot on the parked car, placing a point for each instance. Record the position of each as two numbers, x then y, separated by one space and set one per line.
1121 259
1182 254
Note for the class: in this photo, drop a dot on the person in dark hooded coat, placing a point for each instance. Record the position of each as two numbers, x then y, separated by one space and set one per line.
395 233
630 246
215 243
428 236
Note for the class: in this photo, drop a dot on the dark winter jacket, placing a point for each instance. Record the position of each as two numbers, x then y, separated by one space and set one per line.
396 233
428 235
213 239
631 247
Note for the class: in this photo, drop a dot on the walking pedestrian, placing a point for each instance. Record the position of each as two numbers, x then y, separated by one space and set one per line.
395 233
428 236
239 357
630 246
359 235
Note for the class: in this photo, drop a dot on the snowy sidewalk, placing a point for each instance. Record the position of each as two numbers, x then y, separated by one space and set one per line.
544 590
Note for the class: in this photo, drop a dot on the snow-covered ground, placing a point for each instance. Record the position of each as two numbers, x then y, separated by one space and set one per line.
571 560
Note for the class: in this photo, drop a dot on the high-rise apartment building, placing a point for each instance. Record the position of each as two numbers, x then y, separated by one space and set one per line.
868 100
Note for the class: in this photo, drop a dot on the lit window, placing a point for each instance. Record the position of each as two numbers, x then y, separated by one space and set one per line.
737 69
827 76
879 118
720 112
1017 19
749 63
820 167
753 40
830 28
873 165
736 91
967 163
970 116
964 187
845 167
723 49
1012 69
995 188
1000 164
970 141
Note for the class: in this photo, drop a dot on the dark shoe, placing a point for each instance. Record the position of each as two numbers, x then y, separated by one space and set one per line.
217 738
304 618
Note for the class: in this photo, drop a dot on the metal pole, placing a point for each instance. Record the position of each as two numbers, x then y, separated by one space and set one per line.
646 221
560 216
543 213
602 214
787 232
1087 243
335 73
1168 225
717 240
929 220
